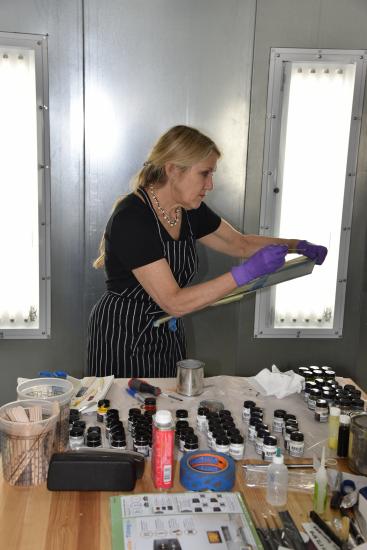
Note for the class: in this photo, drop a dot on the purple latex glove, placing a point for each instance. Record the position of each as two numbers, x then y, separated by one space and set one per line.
313 251
266 260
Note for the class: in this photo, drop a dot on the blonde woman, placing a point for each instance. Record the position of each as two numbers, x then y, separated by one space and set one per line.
149 255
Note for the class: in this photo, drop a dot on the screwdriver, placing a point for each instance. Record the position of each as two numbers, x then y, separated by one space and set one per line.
144 387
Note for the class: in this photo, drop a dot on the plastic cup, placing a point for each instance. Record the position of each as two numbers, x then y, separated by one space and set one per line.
27 446
52 389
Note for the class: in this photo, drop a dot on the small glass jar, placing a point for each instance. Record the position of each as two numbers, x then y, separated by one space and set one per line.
150 404
345 405
246 411
222 444
308 387
201 420
319 382
76 437
290 428
321 410
94 439
357 406
252 428
290 422
296 444
184 433
259 442
118 441
315 394
102 408
237 447
141 444
330 374
191 443
182 414
112 413
269 447
132 414
96 429
278 420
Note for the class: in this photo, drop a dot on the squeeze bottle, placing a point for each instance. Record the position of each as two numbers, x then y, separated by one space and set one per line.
277 481
333 427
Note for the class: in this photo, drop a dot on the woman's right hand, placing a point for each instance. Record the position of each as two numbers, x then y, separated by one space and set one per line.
264 261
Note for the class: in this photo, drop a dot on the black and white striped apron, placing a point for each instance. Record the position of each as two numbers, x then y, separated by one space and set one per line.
121 337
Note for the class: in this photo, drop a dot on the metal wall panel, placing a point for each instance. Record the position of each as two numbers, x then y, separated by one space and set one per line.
149 66
62 21
314 24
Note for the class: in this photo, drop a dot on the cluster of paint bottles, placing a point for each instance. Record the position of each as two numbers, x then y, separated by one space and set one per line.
221 431
265 437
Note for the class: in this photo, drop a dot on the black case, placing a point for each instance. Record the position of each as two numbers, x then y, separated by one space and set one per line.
94 470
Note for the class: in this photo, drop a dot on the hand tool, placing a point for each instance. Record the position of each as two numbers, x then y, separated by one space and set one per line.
135 394
327 530
291 530
144 387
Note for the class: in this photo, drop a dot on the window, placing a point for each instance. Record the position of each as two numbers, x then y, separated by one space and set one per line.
312 132
24 187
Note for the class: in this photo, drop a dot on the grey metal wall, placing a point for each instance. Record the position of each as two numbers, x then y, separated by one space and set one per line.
312 24
62 21
148 65
159 64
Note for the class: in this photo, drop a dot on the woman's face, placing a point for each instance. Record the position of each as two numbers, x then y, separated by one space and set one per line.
190 187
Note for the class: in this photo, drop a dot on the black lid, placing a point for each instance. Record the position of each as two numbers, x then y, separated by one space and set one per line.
315 392
191 438
93 436
291 428
355 393
181 424
150 401
349 387
231 432
74 412
134 411
95 429
186 431
290 416
202 411
249 404
319 382
257 410
280 413
76 431
141 439
263 432
79 424
345 401
311 385
297 436
270 440
261 427
182 413
222 440
225 412
118 441
255 420
291 422
104 403
227 421
237 438
358 403
322 403
112 412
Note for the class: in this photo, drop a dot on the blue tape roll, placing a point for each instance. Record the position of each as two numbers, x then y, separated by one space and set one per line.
347 486
207 470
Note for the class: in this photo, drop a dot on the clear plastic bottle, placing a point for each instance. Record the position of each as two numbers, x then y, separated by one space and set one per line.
277 482
321 484
333 427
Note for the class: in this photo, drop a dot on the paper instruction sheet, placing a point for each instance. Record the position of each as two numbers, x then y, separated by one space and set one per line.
182 521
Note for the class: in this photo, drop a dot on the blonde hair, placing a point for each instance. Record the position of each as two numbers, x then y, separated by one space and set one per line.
181 145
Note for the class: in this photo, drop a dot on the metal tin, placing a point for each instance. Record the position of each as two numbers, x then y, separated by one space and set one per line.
357 455
190 377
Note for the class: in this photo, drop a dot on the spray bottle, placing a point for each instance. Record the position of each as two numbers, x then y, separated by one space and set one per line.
320 491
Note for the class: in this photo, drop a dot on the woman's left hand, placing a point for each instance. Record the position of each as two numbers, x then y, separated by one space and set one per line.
315 252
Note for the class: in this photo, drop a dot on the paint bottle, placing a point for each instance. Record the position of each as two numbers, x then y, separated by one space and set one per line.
333 427
343 436
163 450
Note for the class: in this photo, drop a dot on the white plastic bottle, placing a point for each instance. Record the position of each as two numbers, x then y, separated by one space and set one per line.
277 486
320 491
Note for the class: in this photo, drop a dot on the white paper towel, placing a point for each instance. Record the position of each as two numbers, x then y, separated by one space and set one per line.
279 384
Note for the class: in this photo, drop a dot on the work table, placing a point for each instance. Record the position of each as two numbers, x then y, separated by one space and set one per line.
37 519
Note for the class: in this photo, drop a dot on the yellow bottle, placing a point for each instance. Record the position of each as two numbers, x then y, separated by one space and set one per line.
334 415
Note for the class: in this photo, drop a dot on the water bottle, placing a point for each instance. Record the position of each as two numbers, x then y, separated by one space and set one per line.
277 481
162 466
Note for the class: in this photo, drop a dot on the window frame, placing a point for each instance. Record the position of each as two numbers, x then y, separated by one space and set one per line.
39 44
264 311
